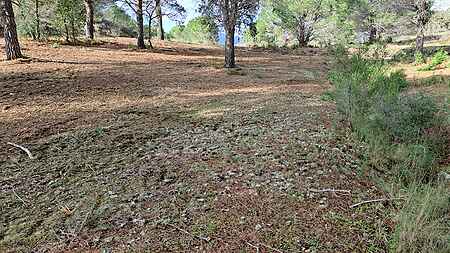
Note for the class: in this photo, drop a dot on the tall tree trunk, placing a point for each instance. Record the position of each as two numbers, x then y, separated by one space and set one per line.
302 34
38 19
420 39
140 21
73 31
66 30
424 13
89 6
230 61
12 46
373 34
150 31
160 20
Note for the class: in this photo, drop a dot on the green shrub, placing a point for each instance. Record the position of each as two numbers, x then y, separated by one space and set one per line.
423 224
370 97
414 163
406 117
438 58
419 59
198 30
361 82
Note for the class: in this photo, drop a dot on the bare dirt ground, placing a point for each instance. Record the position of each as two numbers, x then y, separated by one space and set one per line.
164 151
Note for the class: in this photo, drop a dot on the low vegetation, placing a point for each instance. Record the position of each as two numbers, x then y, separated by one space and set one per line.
438 59
403 133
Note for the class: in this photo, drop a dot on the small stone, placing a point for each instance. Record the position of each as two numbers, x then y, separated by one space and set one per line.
258 227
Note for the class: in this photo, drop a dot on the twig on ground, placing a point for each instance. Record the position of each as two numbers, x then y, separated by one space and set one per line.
22 148
256 247
375 200
17 196
329 190
186 232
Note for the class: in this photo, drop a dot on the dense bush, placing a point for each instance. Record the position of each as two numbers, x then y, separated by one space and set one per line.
438 58
198 30
404 135
393 123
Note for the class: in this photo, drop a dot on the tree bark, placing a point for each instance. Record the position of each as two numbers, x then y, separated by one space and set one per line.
373 34
140 21
38 19
303 34
12 46
89 6
66 30
424 12
150 31
230 61
160 20
420 40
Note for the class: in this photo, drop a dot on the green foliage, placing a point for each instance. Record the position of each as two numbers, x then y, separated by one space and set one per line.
117 22
299 17
26 21
198 30
423 224
69 18
419 59
395 125
268 34
438 58
403 133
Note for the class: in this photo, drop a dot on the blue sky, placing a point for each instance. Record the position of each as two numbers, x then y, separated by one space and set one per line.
191 6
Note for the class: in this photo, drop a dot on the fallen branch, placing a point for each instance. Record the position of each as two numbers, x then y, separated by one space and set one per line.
329 190
256 247
375 200
17 196
22 148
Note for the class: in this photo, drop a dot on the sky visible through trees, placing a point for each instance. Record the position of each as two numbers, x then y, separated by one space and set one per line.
191 5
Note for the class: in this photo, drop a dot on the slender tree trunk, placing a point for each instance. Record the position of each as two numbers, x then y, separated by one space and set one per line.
12 46
150 31
38 19
420 39
373 34
73 31
302 34
160 20
89 6
66 29
423 17
230 61
140 21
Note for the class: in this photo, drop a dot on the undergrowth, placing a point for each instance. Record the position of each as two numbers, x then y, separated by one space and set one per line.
403 134
438 58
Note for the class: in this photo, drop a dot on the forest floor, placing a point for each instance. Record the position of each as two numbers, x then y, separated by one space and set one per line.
164 151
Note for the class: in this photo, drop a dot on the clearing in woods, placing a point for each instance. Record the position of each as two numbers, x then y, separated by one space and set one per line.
165 151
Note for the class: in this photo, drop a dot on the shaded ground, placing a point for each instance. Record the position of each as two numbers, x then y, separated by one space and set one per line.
165 152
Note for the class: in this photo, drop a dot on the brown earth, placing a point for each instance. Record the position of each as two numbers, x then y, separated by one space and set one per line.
164 151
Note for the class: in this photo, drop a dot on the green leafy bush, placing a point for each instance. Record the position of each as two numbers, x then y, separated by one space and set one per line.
199 30
403 133
419 59
370 97
438 58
